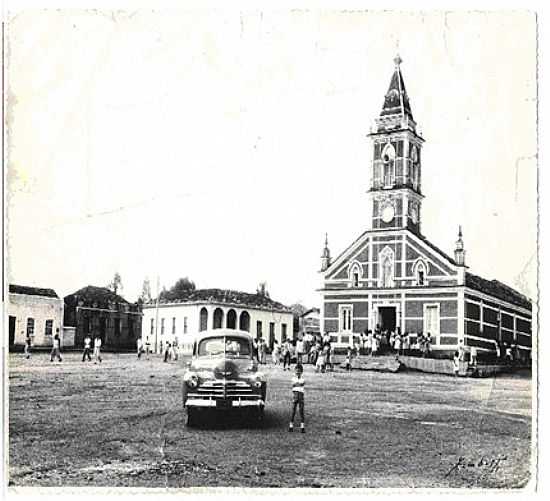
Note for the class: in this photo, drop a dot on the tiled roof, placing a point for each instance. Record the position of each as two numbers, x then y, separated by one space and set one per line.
498 290
31 291
92 293
226 296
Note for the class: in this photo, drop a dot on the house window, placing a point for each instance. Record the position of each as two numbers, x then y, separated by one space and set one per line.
173 325
356 279
258 329
431 319
345 318
131 327
49 328
117 326
283 332
152 326
161 326
30 326
185 325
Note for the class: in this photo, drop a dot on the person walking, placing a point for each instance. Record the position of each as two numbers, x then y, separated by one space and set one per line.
397 344
263 351
139 347
56 349
374 351
298 385
347 362
473 356
87 348
28 344
97 349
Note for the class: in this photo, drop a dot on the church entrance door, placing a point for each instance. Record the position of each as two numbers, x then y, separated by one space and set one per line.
387 317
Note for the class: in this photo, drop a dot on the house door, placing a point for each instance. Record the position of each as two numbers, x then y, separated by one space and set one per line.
12 331
387 318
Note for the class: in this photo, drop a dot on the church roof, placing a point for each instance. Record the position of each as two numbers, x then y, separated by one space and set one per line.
226 296
498 290
396 101
31 291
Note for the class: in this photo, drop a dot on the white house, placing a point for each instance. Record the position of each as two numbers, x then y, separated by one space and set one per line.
174 321
34 311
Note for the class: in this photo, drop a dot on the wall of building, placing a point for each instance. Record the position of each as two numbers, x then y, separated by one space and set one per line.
410 308
488 320
39 308
182 321
118 328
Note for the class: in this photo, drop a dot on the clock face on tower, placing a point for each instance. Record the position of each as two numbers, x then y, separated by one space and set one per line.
388 213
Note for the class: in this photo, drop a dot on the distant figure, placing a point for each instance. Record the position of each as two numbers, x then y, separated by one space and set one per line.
97 349
56 349
456 363
397 344
87 348
167 352
347 362
473 356
139 347
298 385
276 353
497 351
147 346
406 344
374 351
286 355
299 350
263 351
28 343
461 351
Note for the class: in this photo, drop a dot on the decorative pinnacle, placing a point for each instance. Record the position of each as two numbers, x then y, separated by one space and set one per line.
460 231
326 239
397 60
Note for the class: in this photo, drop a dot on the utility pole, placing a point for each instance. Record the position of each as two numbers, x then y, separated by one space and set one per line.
157 313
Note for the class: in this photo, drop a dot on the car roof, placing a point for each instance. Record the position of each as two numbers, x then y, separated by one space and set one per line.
223 332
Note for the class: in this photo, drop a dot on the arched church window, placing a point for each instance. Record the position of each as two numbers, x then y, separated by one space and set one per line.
386 267
388 169
355 274
421 272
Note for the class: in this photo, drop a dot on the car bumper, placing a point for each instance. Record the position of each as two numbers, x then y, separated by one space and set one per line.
225 404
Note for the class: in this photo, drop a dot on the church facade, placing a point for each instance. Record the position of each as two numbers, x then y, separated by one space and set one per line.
393 278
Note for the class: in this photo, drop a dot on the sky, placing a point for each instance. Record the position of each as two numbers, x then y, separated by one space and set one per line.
222 145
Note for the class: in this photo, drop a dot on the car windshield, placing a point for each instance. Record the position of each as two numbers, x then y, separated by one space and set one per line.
231 346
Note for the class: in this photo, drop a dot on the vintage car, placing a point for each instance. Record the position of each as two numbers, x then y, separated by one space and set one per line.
221 374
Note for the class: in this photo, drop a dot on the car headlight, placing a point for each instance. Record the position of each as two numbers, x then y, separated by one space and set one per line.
192 381
258 384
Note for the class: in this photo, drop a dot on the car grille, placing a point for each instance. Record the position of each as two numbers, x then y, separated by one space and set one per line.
224 390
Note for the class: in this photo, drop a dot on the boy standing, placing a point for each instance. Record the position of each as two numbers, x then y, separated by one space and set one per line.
28 343
87 348
97 349
298 384
56 353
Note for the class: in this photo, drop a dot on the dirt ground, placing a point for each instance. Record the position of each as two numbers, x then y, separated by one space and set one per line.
120 423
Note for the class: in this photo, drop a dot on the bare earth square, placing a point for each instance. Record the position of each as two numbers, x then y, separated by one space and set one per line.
121 423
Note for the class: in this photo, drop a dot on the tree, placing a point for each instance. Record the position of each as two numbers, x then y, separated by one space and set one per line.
297 311
116 284
180 290
145 296
262 289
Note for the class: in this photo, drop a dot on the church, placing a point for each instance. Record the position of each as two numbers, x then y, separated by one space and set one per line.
393 278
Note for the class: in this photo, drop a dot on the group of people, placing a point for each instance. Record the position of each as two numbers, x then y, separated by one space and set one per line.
260 350
394 342
87 353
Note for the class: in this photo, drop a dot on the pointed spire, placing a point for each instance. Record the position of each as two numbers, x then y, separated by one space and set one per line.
325 256
459 249
396 101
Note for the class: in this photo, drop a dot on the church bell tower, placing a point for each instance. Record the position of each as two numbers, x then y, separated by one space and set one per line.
395 193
